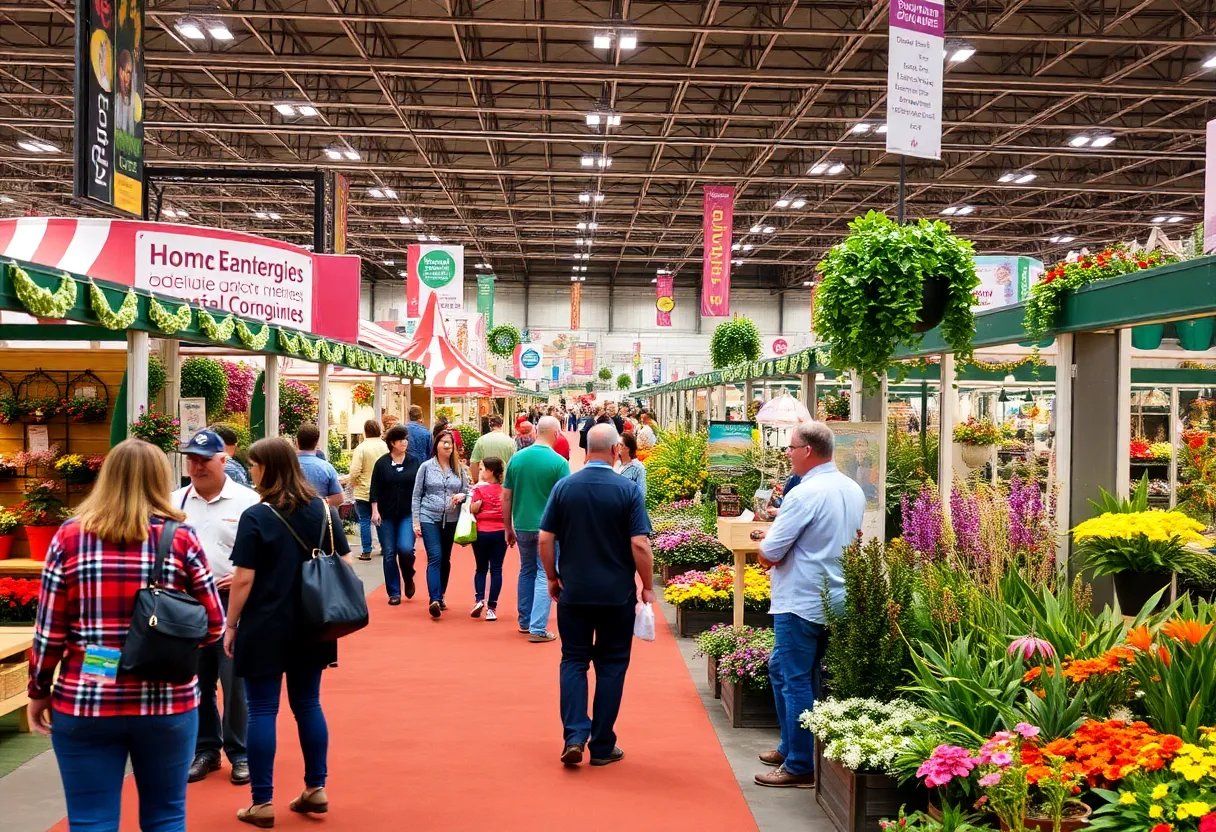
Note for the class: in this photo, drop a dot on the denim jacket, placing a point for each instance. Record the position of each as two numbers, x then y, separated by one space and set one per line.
433 490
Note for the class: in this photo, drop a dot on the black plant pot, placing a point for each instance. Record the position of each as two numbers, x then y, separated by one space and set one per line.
934 294
1135 588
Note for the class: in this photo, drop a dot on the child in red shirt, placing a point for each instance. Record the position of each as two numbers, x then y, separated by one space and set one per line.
490 547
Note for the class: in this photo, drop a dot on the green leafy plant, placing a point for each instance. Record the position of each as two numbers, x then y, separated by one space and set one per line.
333 446
734 342
9 522
81 409
624 381
161 429
869 301
1178 677
243 437
41 506
677 466
502 340
156 377
205 378
10 410
468 438
605 374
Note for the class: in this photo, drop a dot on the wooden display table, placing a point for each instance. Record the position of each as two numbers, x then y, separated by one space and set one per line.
735 534
14 642
20 568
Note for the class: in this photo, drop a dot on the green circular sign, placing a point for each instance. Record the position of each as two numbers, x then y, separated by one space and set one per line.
436 269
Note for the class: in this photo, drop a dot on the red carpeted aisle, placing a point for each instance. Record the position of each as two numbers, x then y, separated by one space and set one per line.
453 725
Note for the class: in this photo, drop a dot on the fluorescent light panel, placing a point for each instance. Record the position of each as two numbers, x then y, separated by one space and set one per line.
629 41
189 29
219 31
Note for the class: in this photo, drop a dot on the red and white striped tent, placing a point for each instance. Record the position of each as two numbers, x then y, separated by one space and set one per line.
448 372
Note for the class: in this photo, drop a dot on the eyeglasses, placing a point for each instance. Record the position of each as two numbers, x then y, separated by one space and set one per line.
795 447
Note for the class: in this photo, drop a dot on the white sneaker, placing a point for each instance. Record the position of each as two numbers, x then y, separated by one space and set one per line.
491 615
477 608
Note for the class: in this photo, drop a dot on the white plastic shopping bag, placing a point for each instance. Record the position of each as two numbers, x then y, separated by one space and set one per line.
643 623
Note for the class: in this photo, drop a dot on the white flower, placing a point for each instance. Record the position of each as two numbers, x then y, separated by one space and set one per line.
863 734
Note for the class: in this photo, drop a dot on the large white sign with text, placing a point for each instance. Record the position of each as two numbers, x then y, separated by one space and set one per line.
914 78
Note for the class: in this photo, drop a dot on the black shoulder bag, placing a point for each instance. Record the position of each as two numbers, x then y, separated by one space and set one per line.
333 596
166 626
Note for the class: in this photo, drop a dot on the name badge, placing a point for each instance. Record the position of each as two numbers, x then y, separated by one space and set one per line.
100 664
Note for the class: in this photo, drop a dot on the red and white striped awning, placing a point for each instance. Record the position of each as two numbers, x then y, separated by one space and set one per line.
448 372
377 337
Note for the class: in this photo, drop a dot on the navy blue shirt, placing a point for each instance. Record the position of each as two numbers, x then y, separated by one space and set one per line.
418 440
593 514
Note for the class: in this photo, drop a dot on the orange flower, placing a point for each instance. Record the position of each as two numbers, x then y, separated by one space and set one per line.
1165 656
1140 637
1032 674
1191 632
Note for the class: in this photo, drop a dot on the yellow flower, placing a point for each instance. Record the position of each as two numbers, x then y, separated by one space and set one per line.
1127 798
1193 809
1155 812
1160 791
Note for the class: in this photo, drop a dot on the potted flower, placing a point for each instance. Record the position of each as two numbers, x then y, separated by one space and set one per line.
857 744
34 461
82 409
9 523
40 410
18 601
161 429
363 394
976 438
885 284
78 469
703 599
10 411
680 550
747 695
40 513
718 641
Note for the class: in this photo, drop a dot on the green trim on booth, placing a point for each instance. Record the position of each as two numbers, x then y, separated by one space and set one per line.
54 332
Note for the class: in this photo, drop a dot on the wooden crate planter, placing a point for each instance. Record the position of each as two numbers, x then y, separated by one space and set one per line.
667 572
691 623
14 677
748 709
715 684
855 801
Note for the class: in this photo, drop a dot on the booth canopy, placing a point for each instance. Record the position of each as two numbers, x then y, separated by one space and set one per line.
448 372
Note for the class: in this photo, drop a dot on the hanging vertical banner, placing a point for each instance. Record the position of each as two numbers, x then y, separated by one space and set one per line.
914 78
719 216
341 209
1209 193
576 306
637 354
664 299
435 270
109 92
656 370
582 359
485 298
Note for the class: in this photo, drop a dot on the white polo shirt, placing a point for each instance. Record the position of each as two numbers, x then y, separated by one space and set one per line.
215 521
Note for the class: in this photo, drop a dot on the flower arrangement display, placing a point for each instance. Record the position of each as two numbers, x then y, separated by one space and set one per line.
10 521
161 429
747 664
715 589
676 548
39 410
18 600
241 380
980 433
864 734
1161 451
721 639
677 468
1142 541
297 406
1180 796
78 469
10 410
363 394
34 461
684 515
205 378
1079 270
41 506
836 408
1140 450
81 409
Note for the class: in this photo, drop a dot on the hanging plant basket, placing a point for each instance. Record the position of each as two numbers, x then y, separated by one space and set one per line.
502 340
87 399
39 398
975 456
10 409
933 297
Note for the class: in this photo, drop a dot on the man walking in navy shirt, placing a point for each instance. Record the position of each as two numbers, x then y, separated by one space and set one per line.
418 438
599 520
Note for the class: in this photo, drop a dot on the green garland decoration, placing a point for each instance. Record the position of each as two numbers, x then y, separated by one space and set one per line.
310 348
42 303
216 331
169 322
377 363
332 351
1003 366
249 339
289 342
502 340
123 318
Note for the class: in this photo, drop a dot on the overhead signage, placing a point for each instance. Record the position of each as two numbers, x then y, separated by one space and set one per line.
576 305
341 212
582 359
914 78
248 279
664 300
109 93
717 221
485 298
1004 280
656 370
437 270
1209 192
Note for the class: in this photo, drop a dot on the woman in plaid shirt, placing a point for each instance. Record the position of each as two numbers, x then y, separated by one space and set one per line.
97 717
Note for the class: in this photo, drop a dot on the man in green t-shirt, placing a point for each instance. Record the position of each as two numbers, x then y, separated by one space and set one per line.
525 491
495 443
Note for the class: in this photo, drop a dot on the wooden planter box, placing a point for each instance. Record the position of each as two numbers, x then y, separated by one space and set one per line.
715 684
691 623
747 709
856 802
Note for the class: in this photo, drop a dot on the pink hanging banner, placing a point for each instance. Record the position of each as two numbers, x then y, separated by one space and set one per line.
715 275
664 300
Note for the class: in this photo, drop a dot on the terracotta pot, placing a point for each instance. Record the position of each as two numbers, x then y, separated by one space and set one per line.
1077 821
39 538
975 455
6 545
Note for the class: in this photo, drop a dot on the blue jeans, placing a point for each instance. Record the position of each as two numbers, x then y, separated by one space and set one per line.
490 548
795 672
397 546
363 510
533 594
92 755
603 636
438 540
304 696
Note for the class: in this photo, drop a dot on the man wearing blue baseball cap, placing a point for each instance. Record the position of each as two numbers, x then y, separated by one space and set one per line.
214 503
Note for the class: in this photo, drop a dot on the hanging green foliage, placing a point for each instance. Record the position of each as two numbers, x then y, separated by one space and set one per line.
205 378
156 377
169 322
216 331
624 381
123 318
605 374
734 342
39 302
502 340
254 341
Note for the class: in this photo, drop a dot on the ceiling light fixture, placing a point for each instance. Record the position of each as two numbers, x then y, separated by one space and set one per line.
188 29
7 200
1210 63
808 283
434 238
965 209
738 261
1026 177
219 31
418 221
1078 141
836 169
168 212
403 273
1060 238
334 153
736 246
353 155
629 41
755 229
882 128
1103 140
798 203
587 160
1158 219
285 109
748 246
307 110
34 146
769 229
862 127
389 262
958 210
375 192
422 238
261 215
275 215
582 226
783 203
1091 140
602 40
1174 219
404 220
578 241
663 271
817 169
958 50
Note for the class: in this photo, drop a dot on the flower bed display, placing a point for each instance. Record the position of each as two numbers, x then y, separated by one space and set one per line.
10 521
703 599
18 600
718 641
747 695
77 469
677 552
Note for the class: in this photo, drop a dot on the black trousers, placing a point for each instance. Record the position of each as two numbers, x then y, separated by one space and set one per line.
603 636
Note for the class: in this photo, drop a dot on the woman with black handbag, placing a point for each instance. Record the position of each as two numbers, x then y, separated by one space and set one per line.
271 634
125 548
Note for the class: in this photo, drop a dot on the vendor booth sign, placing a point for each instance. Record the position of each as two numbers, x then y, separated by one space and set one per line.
729 443
437 270
1004 280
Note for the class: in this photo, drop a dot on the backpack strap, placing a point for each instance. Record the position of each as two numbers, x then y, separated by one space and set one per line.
167 532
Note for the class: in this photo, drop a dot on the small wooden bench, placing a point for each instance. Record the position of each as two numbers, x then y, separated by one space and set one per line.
20 568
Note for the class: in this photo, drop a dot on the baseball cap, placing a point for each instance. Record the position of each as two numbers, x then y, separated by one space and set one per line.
204 443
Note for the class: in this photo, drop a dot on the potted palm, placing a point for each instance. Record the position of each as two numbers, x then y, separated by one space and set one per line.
885 284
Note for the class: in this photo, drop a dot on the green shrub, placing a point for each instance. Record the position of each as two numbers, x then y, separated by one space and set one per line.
243 438
205 378
605 374
156 377
297 406
734 342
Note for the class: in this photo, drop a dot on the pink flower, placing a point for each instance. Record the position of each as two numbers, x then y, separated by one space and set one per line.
990 779
946 763
1029 646
1026 730
1002 759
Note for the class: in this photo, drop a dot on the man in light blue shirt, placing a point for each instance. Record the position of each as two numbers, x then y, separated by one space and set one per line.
818 520
318 472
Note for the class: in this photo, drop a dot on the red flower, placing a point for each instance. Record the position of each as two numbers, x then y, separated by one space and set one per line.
1049 278
1087 265
1163 827
1144 265
1207 823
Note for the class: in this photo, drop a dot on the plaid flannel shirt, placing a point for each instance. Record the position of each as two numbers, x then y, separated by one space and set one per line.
87 597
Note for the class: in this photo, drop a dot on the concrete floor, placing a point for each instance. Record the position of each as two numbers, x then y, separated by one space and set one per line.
33 798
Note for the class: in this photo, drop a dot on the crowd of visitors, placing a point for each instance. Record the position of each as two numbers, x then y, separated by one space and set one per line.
235 539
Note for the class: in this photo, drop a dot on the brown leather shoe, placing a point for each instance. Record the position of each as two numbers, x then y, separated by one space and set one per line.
772 758
572 755
779 778
311 802
260 815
